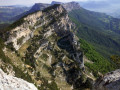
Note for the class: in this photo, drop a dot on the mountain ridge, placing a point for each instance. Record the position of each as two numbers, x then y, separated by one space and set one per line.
42 48
43 39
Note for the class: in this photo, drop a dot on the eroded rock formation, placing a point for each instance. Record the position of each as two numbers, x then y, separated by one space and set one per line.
111 81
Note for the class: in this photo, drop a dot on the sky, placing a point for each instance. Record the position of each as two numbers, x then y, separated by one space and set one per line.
30 2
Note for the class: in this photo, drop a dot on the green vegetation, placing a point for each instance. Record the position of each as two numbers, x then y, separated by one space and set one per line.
100 64
94 28
2 55
15 24
20 40
21 74
18 72
116 59
50 86
44 57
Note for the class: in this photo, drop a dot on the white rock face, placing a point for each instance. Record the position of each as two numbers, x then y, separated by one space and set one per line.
71 6
8 82
110 81
23 31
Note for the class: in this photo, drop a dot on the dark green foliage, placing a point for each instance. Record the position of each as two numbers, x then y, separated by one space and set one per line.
96 20
2 55
116 59
20 74
100 64
44 57
19 41
80 85
93 27
29 59
35 44
45 85
10 46
15 24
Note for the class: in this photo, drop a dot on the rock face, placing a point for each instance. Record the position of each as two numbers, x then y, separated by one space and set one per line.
38 7
110 81
49 49
20 34
71 6
68 6
8 82
70 44
55 2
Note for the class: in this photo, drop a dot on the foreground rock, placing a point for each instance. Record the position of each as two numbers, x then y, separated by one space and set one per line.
110 81
8 82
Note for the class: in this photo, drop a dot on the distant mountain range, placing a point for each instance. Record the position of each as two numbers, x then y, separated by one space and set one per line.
101 30
110 7
8 12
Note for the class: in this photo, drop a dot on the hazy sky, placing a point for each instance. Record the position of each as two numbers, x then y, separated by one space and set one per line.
30 2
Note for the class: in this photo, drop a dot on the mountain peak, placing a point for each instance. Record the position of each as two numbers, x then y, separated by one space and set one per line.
71 6
68 6
38 7
57 7
55 2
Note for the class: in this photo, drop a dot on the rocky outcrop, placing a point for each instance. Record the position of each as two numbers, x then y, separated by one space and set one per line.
38 7
68 6
52 51
21 33
110 81
71 45
71 6
8 82
55 2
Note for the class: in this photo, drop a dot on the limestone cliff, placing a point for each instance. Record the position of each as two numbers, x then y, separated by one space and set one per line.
8 82
71 6
68 6
111 81
45 49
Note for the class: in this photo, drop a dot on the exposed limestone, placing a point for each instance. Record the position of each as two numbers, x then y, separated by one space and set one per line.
110 81
68 6
53 53
8 82
23 30
71 6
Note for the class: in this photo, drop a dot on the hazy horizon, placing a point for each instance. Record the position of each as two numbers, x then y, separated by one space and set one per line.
105 6
31 2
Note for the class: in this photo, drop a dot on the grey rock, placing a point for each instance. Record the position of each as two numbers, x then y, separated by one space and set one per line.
111 81
8 82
